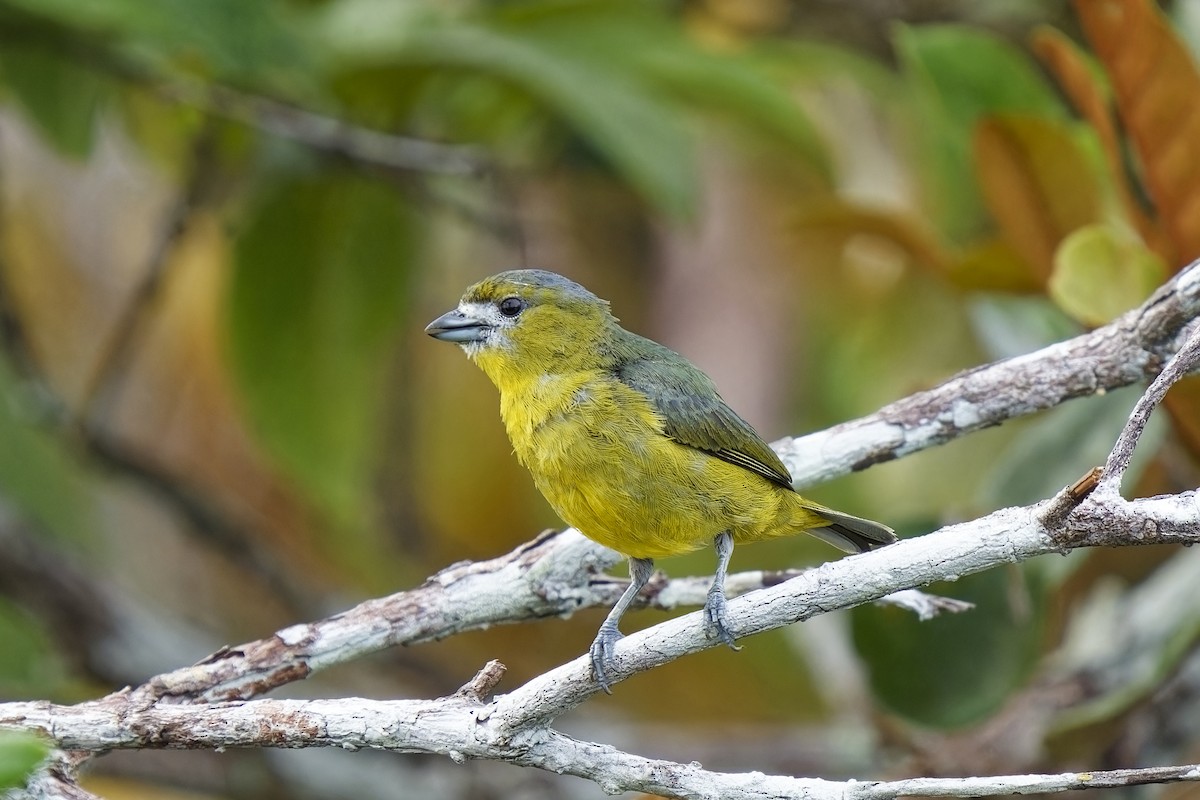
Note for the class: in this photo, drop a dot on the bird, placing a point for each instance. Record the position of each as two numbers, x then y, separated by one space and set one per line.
628 441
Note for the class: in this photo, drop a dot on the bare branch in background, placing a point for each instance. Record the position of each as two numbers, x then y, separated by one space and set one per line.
121 343
322 133
326 134
203 516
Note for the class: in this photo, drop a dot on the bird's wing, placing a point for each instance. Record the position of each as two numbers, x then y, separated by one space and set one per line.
695 414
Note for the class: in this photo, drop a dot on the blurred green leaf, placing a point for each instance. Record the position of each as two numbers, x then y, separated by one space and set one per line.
959 74
819 62
29 666
974 72
165 134
1100 274
646 44
836 217
20 755
739 93
627 122
891 348
37 474
227 37
316 298
60 97
955 669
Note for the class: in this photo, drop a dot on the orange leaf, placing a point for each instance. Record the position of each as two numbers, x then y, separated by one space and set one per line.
1037 184
1157 90
845 220
1074 72
992 265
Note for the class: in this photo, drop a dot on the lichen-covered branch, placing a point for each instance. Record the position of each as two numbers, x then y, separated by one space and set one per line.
559 573
459 728
556 573
1130 349
1122 453
515 726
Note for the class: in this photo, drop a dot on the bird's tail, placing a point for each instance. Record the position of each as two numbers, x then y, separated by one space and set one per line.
849 533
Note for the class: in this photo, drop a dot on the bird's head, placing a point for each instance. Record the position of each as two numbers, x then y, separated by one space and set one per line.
527 323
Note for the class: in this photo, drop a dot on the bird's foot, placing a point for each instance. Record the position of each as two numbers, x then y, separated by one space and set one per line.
716 619
602 654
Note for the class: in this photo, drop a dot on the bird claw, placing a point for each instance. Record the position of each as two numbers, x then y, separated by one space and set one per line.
716 620
602 653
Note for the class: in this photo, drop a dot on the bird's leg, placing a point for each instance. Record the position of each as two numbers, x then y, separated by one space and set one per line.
716 618
601 651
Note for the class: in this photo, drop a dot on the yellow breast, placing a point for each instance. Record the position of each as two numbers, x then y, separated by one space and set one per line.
597 452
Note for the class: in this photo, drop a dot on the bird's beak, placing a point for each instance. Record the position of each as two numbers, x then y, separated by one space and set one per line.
455 326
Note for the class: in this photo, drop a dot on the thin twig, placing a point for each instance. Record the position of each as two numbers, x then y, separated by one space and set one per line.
327 134
1122 453
484 683
322 133
120 345
213 526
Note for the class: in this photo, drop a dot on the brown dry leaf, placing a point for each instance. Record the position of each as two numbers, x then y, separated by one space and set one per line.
844 220
1037 184
991 265
1157 90
1074 73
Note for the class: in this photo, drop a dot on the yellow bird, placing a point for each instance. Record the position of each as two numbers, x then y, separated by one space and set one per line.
629 441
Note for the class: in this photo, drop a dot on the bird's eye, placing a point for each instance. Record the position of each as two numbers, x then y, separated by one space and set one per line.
511 306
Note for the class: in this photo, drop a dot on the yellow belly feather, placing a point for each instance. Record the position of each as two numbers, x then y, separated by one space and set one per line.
597 452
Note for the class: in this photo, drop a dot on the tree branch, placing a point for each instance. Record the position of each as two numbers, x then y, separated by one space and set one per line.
1122 453
564 568
461 727
120 344
554 575
557 573
515 726
54 781
1127 350
326 134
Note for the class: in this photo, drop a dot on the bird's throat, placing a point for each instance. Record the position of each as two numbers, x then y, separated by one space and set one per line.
528 405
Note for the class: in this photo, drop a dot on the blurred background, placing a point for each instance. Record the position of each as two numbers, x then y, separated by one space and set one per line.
225 223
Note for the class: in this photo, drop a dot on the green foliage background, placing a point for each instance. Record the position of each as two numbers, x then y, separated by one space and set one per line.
224 225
